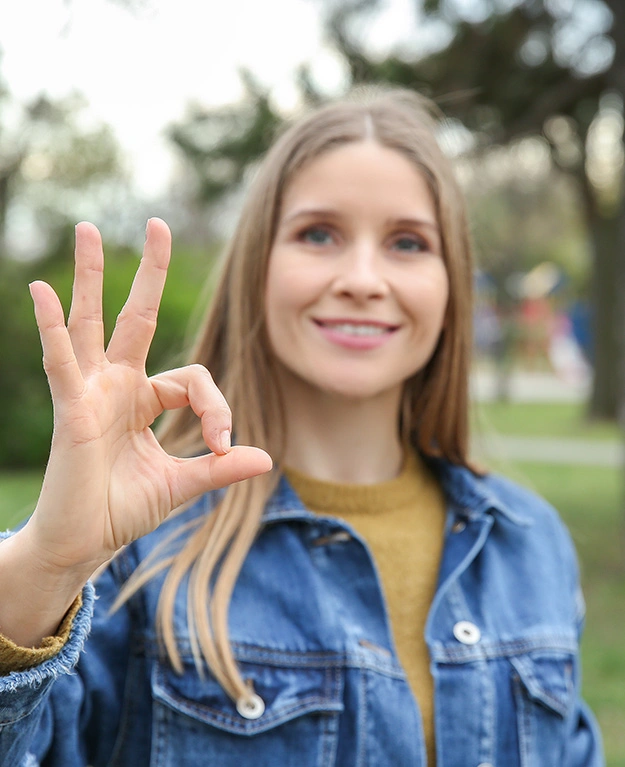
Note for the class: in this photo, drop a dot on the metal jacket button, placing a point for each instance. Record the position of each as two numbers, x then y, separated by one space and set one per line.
339 536
467 632
458 526
251 707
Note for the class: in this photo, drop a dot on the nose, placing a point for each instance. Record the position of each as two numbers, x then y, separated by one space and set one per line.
360 273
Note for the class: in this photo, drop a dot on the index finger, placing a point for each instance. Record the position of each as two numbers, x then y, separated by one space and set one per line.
59 360
136 323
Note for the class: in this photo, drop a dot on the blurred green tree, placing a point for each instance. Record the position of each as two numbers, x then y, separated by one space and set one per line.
221 144
52 156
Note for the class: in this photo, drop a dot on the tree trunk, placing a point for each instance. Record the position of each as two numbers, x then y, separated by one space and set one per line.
603 233
620 359
603 236
617 76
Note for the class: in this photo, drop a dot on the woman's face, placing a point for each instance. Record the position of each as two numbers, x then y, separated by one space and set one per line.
356 287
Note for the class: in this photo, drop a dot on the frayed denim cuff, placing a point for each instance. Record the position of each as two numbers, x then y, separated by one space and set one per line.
21 691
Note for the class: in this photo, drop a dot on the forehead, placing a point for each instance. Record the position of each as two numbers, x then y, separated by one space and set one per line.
360 174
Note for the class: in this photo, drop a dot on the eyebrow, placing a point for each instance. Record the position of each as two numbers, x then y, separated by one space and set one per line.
332 213
418 222
306 212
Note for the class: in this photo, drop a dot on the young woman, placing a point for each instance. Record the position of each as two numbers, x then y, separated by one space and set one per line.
373 599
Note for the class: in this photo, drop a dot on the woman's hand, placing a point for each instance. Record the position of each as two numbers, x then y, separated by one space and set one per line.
108 481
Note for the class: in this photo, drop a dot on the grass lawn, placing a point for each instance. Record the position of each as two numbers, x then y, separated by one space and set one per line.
541 419
589 499
18 492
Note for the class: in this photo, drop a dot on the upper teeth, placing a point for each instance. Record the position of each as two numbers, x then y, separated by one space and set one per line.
357 330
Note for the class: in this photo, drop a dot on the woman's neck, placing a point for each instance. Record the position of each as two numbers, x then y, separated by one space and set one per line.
343 440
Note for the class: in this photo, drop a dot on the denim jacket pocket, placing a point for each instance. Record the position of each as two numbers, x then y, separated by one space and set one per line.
194 718
544 697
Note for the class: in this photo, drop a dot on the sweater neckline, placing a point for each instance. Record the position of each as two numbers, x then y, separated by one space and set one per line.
338 498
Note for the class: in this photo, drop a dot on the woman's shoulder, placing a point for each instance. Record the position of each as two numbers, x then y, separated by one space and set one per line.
510 501
518 496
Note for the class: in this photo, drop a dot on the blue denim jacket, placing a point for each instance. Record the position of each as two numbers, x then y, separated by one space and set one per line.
311 631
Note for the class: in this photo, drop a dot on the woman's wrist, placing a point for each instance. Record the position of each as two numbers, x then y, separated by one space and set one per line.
36 596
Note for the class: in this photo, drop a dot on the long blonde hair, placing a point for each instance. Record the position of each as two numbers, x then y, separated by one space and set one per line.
233 344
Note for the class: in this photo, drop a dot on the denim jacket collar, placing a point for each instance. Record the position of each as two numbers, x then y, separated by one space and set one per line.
469 495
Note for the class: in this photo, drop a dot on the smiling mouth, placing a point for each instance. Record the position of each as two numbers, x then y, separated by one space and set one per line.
357 328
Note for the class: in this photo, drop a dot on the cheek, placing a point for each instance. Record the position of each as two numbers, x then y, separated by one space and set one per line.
292 284
284 299
430 297
280 297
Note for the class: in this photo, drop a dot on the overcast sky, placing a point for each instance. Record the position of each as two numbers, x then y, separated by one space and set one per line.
139 69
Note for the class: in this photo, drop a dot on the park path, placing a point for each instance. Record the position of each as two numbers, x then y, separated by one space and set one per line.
541 387
549 450
529 386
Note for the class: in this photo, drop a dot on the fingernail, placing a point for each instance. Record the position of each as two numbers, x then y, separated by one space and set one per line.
225 441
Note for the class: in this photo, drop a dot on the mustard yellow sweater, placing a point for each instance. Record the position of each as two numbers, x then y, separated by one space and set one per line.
16 658
402 521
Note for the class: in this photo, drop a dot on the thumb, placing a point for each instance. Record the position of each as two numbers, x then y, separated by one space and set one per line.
209 472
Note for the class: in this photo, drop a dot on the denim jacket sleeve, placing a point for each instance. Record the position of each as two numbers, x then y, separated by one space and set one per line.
583 742
585 746
46 711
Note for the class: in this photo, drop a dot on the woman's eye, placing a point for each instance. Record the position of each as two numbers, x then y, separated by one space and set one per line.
316 235
410 244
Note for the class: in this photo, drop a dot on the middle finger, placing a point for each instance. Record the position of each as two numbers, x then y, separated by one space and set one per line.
85 317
